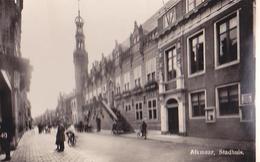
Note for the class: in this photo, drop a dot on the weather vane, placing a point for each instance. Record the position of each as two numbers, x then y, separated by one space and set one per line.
78 7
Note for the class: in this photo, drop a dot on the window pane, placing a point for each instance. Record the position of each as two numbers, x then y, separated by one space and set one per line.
149 104
169 54
227 41
233 34
200 57
194 98
202 96
201 40
228 100
150 114
223 28
223 51
198 104
169 65
197 53
154 114
154 103
233 22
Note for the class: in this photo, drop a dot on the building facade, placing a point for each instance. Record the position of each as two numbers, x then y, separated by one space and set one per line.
212 89
188 70
15 72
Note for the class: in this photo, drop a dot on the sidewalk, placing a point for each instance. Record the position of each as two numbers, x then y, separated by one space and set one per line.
211 142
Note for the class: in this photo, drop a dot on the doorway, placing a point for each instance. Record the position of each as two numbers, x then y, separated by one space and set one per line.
173 116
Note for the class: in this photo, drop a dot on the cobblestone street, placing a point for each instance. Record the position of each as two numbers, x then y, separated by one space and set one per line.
35 147
94 147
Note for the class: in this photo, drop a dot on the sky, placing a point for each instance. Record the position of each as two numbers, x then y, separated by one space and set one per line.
48 39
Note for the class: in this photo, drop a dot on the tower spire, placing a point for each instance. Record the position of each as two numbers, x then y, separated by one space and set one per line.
78 8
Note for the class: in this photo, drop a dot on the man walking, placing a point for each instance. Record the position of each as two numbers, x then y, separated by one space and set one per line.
144 129
60 138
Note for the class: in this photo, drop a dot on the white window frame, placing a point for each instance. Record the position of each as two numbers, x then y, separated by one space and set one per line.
190 104
152 108
217 101
204 54
216 42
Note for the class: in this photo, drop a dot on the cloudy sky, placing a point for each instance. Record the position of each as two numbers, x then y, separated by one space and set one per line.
48 31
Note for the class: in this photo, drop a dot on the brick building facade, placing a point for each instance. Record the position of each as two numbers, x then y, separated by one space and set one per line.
188 70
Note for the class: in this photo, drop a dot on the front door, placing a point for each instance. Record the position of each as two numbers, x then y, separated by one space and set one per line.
173 119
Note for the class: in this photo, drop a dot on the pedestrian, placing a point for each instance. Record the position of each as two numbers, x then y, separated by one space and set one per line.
5 139
144 129
60 138
80 126
98 122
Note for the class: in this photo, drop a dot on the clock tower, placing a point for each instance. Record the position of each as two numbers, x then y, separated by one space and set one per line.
80 57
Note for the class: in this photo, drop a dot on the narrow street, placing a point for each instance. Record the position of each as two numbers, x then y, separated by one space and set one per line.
94 147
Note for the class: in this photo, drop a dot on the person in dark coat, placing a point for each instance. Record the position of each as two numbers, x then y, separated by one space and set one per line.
5 139
144 129
98 121
60 138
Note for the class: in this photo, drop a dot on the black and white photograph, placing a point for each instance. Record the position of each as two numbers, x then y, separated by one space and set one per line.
129 81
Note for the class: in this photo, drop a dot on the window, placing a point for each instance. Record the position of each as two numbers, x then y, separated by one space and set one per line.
196 53
169 18
198 104
228 100
127 81
152 109
127 107
227 40
137 76
139 110
191 4
118 85
150 69
171 63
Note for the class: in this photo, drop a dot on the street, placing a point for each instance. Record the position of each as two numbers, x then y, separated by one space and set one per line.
94 147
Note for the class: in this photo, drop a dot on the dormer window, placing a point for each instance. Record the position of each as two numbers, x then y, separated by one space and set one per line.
169 18
191 4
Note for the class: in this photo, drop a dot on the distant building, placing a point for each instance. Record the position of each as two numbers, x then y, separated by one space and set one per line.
15 74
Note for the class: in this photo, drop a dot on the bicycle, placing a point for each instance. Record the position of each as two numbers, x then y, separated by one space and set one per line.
72 140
